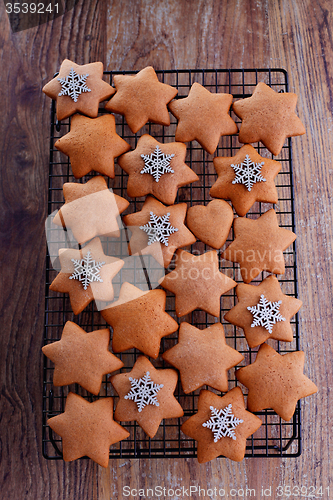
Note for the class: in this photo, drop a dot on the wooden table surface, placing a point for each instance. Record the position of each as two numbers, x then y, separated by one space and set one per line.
130 34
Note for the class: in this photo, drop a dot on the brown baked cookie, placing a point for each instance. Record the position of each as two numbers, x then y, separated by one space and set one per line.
141 98
92 144
87 429
158 230
212 223
203 116
264 312
276 381
245 178
90 210
259 245
82 358
269 117
197 283
157 169
86 275
139 320
221 425
146 396
78 89
202 357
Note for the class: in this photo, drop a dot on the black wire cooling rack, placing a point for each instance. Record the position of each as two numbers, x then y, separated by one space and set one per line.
275 437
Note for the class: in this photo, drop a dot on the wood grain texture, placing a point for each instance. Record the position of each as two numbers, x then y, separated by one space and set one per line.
169 34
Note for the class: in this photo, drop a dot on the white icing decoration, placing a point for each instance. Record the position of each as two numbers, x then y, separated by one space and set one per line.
266 313
73 85
86 270
143 391
248 173
222 422
157 164
159 229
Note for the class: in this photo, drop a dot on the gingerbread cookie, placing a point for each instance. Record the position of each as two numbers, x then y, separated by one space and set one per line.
212 223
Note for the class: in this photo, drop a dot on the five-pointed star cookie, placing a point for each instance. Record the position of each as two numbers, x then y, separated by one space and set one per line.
157 169
203 116
245 178
139 320
141 98
197 283
231 447
276 381
81 89
86 275
155 405
87 429
92 144
249 295
202 357
158 230
90 210
82 358
259 245
269 117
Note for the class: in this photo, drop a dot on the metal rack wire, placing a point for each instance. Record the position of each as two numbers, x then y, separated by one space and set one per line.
275 437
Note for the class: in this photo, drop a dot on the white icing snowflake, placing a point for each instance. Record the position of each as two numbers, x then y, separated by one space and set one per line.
143 391
248 173
266 313
73 85
157 164
159 229
86 270
222 422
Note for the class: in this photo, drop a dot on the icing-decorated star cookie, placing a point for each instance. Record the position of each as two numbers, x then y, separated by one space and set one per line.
141 98
204 117
212 223
259 245
146 396
269 117
202 357
276 381
221 425
157 169
78 89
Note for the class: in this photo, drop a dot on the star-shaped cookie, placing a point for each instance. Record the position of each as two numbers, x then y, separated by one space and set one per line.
249 296
158 230
276 381
152 400
157 169
139 320
259 245
203 116
197 283
90 210
92 144
202 357
243 425
269 117
82 358
141 98
245 178
78 89
87 429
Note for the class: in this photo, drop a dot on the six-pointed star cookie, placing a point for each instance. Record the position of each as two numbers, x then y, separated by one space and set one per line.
269 117
230 447
141 98
82 358
203 116
156 168
139 320
197 283
156 403
245 178
276 381
259 245
87 429
202 357
92 144
158 230
249 295
81 91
